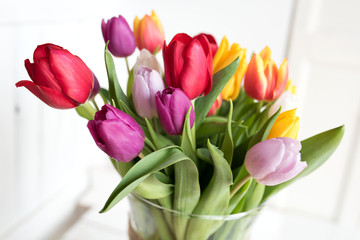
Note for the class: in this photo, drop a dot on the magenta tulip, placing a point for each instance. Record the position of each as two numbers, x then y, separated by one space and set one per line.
275 160
172 106
121 39
147 83
117 134
59 79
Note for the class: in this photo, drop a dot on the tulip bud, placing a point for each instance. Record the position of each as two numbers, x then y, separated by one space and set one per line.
274 161
224 57
149 32
172 106
148 60
147 83
286 125
286 101
188 64
59 79
116 133
216 105
263 80
121 38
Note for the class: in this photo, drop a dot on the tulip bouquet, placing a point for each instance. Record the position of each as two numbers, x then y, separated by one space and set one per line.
193 140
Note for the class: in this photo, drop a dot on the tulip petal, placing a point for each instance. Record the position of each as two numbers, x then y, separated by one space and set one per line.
221 55
165 119
72 74
137 32
43 75
174 63
193 77
271 74
157 22
208 54
110 131
49 96
41 51
255 82
152 37
178 110
282 79
141 97
265 54
264 157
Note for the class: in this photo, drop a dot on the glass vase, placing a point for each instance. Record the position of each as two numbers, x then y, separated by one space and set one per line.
150 221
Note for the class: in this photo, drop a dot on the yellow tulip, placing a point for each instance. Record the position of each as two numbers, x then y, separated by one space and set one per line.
223 57
286 125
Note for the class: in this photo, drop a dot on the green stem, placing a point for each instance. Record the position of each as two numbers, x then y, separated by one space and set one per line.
155 125
86 110
127 65
239 185
94 102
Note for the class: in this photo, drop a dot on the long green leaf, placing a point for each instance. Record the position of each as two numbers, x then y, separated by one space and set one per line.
115 90
203 104
215 198
153 188
315 151
141 170
228 144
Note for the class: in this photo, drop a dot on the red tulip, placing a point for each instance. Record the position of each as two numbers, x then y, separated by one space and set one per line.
59 79
188 64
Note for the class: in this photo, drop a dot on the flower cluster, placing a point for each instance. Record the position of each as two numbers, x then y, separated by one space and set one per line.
209 123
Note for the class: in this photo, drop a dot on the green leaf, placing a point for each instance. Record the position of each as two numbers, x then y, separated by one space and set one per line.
153 162
263 133
105 95
214 125
186 194
116 93
254 196
152 134
203 104
228 144
315 151
187 140
126 109
130 83
153 188
215 198
235 200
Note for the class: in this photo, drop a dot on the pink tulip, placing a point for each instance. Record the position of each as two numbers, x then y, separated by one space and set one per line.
147 83
274 161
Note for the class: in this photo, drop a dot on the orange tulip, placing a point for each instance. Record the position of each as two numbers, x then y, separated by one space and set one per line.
149 33
263 80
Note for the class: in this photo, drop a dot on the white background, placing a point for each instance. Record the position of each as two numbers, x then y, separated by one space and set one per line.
48 159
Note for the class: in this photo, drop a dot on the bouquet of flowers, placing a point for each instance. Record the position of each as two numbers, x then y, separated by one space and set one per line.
194 146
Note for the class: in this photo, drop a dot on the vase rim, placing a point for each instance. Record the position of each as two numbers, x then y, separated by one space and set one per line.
228 217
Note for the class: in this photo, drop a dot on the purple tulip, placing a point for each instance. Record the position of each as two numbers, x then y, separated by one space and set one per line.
147 83
121 39
172 106
275 160
116 133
